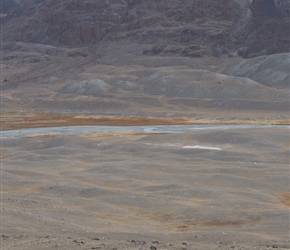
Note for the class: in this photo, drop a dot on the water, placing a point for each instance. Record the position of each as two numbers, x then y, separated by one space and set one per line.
78 130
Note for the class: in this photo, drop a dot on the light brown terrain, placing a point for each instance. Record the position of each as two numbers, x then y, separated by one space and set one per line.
190 148
135 191
139 190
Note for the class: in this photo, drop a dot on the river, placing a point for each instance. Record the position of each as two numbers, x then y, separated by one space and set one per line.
78 130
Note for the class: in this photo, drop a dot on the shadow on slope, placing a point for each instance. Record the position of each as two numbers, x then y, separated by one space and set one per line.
272 70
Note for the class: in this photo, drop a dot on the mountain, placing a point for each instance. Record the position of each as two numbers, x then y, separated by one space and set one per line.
191 28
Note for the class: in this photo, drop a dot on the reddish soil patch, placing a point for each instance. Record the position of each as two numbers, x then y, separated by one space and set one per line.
15 121
190 225
285 199
55 120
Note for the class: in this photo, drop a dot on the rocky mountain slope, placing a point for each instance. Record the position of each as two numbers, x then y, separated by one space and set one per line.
272 71
145 57
187 28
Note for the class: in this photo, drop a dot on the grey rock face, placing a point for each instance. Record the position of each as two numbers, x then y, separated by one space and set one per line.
247 28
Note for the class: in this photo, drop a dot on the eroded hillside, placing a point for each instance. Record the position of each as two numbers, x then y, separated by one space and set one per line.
184 28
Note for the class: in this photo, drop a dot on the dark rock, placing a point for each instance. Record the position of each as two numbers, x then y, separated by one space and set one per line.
266 8
4 237
79 242
220 27
138 242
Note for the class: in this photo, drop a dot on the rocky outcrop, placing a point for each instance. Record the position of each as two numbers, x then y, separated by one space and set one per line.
271 71
72 22
221 27
266 32
271 8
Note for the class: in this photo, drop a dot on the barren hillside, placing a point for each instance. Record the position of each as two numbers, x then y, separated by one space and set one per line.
187 28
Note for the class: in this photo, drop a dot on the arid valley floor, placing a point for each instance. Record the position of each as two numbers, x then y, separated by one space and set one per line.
193 153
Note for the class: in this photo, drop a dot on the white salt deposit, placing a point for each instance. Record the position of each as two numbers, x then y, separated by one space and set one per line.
201 147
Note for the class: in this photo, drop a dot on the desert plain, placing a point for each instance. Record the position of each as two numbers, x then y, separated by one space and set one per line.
109 163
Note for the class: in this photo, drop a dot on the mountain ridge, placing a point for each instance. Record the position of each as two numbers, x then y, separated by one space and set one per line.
192 28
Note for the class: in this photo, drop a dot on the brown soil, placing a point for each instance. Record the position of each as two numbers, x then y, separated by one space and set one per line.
15 121
189 226
285 199
130 190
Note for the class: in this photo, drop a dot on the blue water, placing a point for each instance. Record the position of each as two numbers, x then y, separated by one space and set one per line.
73 130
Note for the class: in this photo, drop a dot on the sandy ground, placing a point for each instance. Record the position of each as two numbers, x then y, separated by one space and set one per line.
138 191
